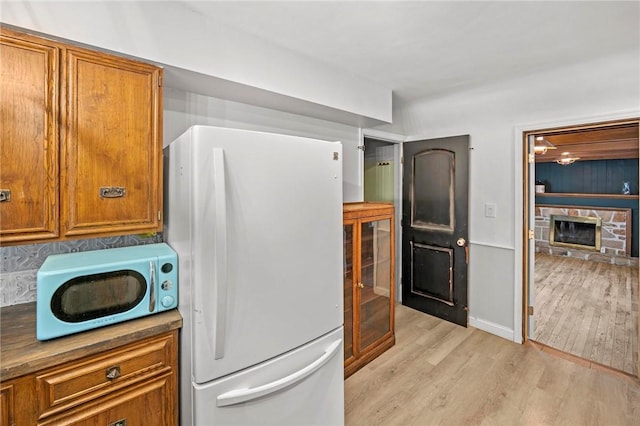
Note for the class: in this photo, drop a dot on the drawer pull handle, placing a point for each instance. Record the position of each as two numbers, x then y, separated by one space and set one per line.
113 372
121 422
112 191
5 195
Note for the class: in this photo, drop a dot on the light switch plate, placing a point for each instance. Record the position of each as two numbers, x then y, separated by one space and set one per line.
490 210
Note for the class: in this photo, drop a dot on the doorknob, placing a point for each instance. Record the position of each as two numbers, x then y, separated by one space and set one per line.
461 242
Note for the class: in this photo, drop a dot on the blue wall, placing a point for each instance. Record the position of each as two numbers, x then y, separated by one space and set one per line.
592 177
589 177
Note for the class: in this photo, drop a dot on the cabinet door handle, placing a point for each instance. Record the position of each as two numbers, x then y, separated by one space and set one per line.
5 195
360 285
121 422
112 191
113 372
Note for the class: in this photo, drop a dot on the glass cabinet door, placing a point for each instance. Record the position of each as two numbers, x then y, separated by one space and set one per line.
348 280
375 281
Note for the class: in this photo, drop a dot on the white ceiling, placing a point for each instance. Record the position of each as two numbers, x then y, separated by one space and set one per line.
427 48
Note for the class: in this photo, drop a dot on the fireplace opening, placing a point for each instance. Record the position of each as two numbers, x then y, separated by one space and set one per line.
575 231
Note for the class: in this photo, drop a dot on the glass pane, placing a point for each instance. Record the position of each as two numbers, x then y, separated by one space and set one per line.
376 279
94 296
432 192
348 290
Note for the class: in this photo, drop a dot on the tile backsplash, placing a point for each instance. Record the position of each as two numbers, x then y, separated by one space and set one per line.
19 264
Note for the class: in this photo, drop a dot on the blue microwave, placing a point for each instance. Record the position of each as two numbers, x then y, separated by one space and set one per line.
81 291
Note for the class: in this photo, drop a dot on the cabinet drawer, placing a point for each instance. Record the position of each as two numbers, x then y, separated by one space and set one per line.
142 404
75 383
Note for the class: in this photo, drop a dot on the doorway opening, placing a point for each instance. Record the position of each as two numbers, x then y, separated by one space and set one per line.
379 170
582 299
382 167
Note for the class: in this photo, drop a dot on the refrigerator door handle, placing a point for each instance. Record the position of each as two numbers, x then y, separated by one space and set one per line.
238 396
220 274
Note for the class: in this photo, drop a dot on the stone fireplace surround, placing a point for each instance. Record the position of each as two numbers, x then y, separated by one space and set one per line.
616 234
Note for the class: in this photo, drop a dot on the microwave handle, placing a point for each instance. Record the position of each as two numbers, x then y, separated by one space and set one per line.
152 284
220 261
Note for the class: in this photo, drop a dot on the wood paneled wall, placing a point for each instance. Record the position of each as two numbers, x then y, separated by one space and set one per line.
589 177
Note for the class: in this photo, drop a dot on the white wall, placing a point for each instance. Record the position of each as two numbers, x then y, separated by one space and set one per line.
231 61
184 109
495 116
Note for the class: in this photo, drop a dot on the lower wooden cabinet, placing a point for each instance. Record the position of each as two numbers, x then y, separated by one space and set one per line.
369 284
7 405
139 405
131 385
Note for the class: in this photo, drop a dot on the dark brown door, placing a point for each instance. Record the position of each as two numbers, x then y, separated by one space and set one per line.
434 227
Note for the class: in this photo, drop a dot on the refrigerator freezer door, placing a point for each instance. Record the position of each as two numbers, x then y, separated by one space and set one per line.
265 273
302 387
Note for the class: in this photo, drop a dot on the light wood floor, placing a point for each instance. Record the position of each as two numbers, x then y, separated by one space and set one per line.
439 373
588 309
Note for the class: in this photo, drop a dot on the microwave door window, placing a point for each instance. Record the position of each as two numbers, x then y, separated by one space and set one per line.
98 295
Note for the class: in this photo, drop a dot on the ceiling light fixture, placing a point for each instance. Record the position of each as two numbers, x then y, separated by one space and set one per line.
566 159
542 145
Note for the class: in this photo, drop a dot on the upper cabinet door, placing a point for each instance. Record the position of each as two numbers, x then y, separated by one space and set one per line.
28 138
112 145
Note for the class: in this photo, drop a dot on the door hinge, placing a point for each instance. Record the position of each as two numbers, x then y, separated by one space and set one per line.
402 160
361 147
532 158
529 310
160 81
159 215
531 234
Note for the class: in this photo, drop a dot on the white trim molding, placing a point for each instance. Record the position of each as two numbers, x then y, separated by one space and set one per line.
491 245
493 328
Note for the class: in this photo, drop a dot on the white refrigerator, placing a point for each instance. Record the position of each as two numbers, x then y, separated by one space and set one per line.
256 220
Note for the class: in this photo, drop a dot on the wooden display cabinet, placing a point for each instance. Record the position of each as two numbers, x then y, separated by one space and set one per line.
81 146
369 282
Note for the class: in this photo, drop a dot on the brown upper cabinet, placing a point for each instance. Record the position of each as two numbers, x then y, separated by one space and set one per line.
81 152
29 74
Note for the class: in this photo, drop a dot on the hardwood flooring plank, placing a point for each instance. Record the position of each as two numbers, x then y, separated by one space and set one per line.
611 297
580 341
442 347
567 313
481 380
588 309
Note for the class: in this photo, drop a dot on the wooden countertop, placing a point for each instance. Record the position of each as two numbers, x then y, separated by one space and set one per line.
21 353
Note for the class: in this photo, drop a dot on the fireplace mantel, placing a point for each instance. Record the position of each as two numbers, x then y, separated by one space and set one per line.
583 195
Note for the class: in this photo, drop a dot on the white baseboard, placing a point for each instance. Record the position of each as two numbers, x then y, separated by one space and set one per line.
493 328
